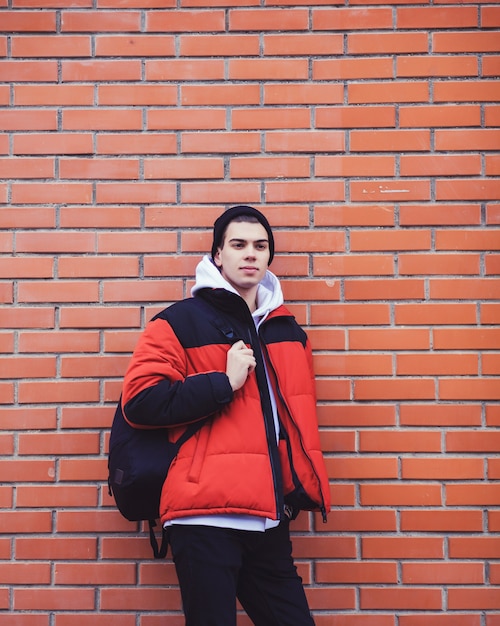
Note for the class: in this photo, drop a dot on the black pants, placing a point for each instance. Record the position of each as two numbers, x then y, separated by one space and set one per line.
217 565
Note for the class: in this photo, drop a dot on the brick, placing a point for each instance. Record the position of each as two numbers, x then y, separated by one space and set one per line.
355 215
27 317
293 44
83 471
19 470
267 19
131 143
436 17
354 166
449 468
47 95
188 119
134 46
342 468
327 339
48 143
473 339
440 215
453 140
23 267
469 389
26 21
356 117
404 441
24 574
88 574
218 45
227 142
42 496
275 118
99 317
466 441
389 339
99 70
54 242
436 65
490 313
402 548
437 364
318 141
440 415
359 265
177 265
25 120
269 167
474 598
427 165
58 391
361 93
148 599
268 69
210 192
384 289
99 168
51 46
28 71
442 521
182 168
359 520
303 94
360 573
400 599
217 95
58 341
461 42
94 619
98 267
29 367
386 43
185 21
472 494
465 289
99 217
435 573
453 91
396 389
135 192
58 291
414 264
145 291
102 119
490 65
100 21
47 599
307 191
355 365
351 19
184 70
58 444
31 193
145 95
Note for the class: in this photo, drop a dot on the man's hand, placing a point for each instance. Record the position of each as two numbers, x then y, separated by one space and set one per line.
240 363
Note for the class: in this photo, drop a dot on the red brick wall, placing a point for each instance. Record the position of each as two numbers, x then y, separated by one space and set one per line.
369 133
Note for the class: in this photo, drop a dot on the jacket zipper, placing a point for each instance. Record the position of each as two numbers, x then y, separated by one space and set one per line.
265 402
282 399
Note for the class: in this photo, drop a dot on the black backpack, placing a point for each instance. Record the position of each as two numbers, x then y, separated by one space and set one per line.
138 462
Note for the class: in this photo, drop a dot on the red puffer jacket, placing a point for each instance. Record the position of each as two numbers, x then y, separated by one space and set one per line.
233 465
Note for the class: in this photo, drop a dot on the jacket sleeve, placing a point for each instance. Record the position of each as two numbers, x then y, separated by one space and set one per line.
157 391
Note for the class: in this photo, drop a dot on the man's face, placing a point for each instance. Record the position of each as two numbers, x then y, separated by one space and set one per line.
244 255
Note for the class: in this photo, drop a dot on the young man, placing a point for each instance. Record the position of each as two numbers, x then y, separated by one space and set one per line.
233 356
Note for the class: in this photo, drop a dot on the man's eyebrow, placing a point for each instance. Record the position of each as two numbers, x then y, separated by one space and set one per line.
240 240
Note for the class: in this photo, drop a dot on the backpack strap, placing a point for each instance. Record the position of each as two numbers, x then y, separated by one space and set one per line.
160 550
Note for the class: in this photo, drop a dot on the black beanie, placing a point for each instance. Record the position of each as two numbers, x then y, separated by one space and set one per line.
223 220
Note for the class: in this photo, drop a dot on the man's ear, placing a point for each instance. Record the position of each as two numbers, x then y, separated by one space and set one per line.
217 260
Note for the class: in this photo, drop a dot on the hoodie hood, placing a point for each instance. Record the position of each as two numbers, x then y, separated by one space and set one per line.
269 294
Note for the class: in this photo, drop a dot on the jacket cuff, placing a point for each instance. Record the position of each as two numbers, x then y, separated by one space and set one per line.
221 388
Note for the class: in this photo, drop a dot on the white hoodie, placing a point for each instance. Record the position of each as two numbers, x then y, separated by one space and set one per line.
269 298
